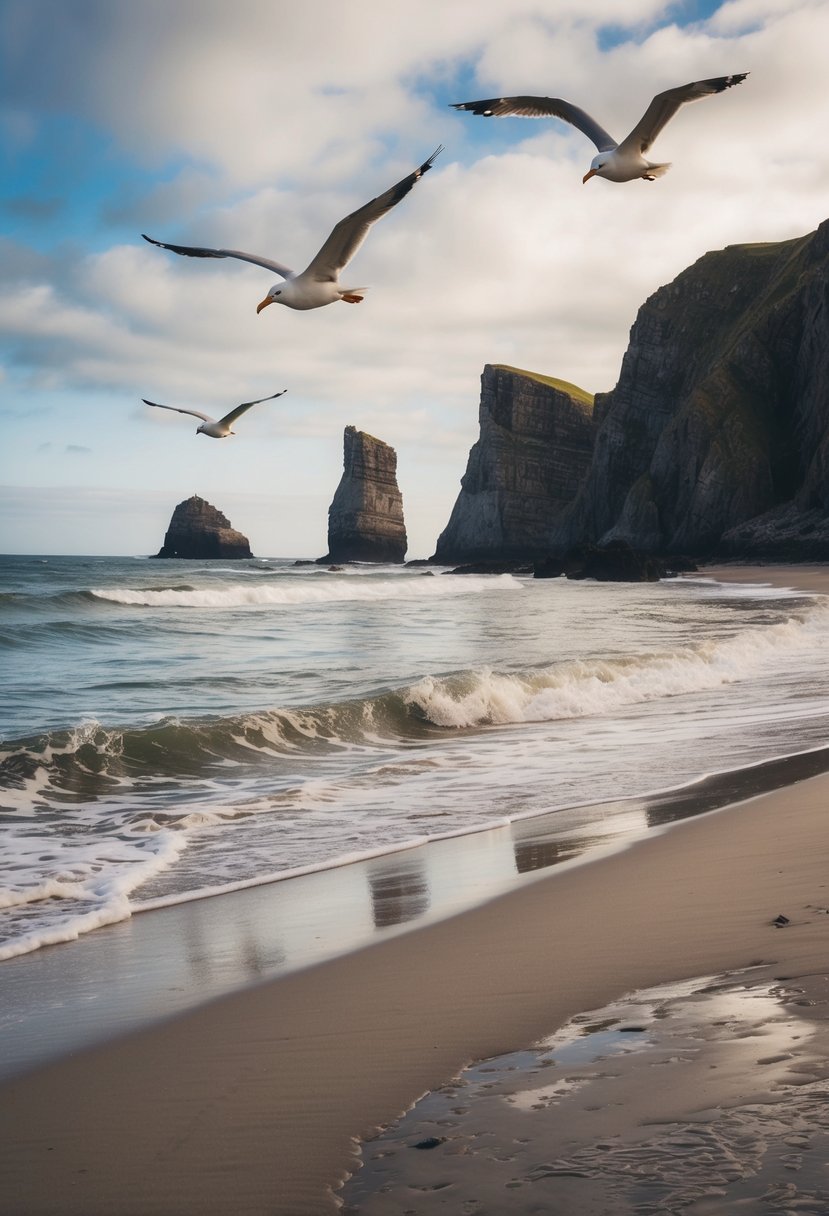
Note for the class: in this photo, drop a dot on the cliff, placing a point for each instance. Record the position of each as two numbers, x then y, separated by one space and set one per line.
716 437
535 444
198 530
365 519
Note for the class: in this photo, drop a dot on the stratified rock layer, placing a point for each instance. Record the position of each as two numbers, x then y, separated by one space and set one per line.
197 530
536 441
716 437
365 519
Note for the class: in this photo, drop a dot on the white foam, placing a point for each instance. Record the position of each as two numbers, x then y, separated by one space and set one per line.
269 595
577 689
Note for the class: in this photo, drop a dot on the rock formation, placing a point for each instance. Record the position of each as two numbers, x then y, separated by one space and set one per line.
716 437
365 519
197 530
535 444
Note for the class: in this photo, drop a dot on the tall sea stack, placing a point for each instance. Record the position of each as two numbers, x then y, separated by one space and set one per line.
197 530
365 519
534 449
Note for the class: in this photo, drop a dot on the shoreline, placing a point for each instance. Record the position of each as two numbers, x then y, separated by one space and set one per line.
249 1103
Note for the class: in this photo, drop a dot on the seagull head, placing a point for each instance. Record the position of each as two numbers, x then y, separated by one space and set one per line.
597 164
272 297
200 429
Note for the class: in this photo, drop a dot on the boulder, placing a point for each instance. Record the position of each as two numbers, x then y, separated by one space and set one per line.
198 530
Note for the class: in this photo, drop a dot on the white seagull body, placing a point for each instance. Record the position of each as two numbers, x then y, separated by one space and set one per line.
618 162
215 428
318 284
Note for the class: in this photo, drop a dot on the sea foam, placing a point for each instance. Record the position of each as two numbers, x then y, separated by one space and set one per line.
341 591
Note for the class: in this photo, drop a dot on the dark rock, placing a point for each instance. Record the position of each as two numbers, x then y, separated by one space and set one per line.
550 567
430 1142
492 568
365 519
716 438
780 920
198 531
534 449
613 563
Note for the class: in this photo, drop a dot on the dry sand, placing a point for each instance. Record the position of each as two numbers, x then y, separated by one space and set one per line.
249 1104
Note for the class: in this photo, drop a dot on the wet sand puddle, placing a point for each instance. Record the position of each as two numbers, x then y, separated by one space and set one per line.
701 1098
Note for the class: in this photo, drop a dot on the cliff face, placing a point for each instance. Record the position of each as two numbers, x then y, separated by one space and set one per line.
716 437
365 519
535 445
198 530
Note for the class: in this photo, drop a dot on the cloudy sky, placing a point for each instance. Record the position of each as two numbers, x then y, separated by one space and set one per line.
259 124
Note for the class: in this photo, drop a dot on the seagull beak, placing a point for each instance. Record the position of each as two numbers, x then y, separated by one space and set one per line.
267 300
588 176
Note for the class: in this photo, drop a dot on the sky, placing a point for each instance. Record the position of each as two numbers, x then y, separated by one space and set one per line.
258 125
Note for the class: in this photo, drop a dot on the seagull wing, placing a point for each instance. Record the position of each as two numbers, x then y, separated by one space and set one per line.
348 235
541 107
195 251
241 409
665 105
195 413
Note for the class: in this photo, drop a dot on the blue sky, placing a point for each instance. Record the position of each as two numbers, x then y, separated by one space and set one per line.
260 125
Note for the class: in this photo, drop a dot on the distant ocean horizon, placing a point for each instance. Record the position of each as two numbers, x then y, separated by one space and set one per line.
171 729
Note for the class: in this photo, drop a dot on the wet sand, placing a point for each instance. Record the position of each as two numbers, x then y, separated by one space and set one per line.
248 1104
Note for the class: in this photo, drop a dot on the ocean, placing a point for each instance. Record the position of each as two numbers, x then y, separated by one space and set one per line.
173 729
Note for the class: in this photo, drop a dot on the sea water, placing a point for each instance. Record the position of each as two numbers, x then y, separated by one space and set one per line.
171 729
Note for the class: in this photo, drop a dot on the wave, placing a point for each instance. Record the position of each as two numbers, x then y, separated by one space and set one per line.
239 596
92 759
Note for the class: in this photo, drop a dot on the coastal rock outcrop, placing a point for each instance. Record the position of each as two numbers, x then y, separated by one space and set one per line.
365 519
534 450
198 530
716 438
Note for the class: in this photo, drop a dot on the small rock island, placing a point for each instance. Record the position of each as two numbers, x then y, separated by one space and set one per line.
365 519
198 530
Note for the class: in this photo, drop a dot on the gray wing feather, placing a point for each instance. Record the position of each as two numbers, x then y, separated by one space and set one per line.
196 251
175 408
665 105
348 235
542 107
241 409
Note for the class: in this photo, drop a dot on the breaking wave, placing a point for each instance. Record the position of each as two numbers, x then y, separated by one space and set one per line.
427 586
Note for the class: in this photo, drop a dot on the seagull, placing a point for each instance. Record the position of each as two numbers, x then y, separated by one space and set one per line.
215 428
622 162
318 283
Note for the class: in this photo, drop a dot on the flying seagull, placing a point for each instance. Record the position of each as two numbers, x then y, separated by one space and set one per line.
318 284
216 429
617 162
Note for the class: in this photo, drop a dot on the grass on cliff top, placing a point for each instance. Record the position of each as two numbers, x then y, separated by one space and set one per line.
563 386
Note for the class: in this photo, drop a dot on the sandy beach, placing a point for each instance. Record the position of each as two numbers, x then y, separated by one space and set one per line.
251 1103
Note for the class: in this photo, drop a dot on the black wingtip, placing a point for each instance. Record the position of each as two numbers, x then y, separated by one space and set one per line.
726 82
482 108
150 239
427 164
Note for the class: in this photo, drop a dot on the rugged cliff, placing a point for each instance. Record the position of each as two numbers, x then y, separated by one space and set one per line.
365 519
716 437
534 449
198 530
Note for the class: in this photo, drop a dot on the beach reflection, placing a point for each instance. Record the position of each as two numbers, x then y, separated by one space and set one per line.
399 893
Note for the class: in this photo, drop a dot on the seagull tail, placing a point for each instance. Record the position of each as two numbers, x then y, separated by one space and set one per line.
658 170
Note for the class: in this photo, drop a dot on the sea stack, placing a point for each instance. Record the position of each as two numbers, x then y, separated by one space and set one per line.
197 530
532 455
365 519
